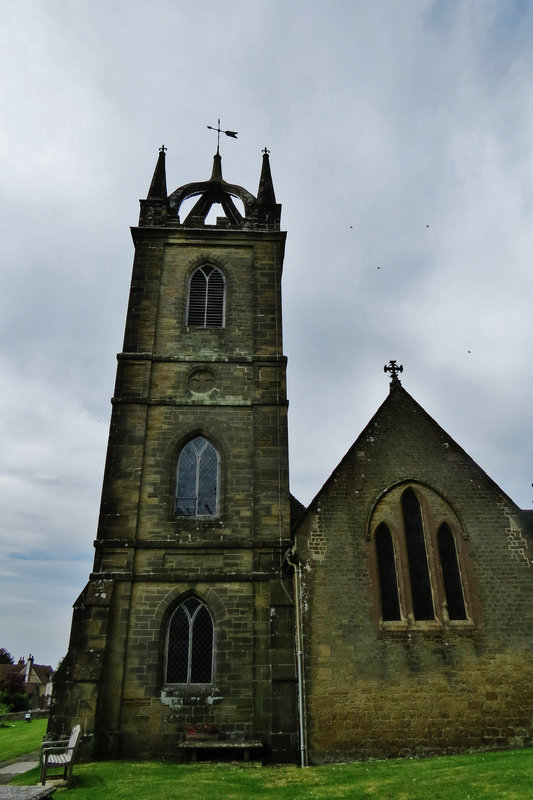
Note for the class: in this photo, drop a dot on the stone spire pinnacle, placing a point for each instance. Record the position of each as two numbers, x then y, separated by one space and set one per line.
216 174
265 192
158 187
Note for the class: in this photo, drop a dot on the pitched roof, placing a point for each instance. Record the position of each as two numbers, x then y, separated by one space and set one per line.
40 673
398 406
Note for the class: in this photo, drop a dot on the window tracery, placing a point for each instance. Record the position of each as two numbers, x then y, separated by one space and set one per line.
206 305
190 644
419 565
197 484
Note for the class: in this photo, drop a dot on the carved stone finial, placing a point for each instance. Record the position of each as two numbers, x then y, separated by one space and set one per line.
394 369
266 151
162 149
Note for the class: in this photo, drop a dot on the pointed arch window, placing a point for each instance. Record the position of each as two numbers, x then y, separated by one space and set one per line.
417 557
451 575
197 484
419 563
190 644
206 306
388 580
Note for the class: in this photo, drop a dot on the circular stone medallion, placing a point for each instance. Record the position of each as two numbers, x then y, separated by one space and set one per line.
201 381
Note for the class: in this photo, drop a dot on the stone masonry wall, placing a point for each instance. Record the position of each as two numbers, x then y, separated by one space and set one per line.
173 383
385 689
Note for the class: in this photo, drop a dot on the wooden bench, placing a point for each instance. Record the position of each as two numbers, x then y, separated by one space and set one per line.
60 754
244 747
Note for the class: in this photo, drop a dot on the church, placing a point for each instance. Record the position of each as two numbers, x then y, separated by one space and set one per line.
392 617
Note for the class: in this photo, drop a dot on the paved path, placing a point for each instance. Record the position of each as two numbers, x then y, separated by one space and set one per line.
8 769
26 792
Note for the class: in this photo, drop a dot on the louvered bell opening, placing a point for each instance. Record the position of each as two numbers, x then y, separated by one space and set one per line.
197 299
215 300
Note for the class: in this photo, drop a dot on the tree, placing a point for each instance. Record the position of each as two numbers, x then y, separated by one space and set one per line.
6 657
12 692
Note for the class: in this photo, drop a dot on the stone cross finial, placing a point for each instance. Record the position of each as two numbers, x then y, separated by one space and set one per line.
394 369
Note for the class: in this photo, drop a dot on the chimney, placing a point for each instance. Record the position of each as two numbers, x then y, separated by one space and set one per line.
29 665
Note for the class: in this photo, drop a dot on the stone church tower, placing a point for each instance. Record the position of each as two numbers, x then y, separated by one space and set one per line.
401 597
185 621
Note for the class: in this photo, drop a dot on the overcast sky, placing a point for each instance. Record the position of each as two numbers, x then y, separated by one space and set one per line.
401 138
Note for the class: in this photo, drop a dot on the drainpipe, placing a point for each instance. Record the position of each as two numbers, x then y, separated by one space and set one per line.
297 583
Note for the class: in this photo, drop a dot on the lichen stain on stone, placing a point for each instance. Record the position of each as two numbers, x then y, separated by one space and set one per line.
171 700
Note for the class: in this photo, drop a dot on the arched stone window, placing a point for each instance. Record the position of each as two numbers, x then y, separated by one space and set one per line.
417 557
451 575
388 579
197 479
190 644
419 565
206 306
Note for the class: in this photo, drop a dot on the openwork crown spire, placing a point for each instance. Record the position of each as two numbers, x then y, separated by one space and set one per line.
260 213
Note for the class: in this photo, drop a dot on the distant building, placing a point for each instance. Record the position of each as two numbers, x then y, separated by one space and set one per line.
391 617
37 680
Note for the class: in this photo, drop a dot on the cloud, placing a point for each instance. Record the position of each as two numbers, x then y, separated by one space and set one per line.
382 119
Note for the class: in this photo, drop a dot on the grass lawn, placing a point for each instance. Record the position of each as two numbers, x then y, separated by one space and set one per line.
20 738
505 775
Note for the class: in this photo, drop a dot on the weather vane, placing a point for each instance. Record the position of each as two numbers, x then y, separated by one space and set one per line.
218 129
394 369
